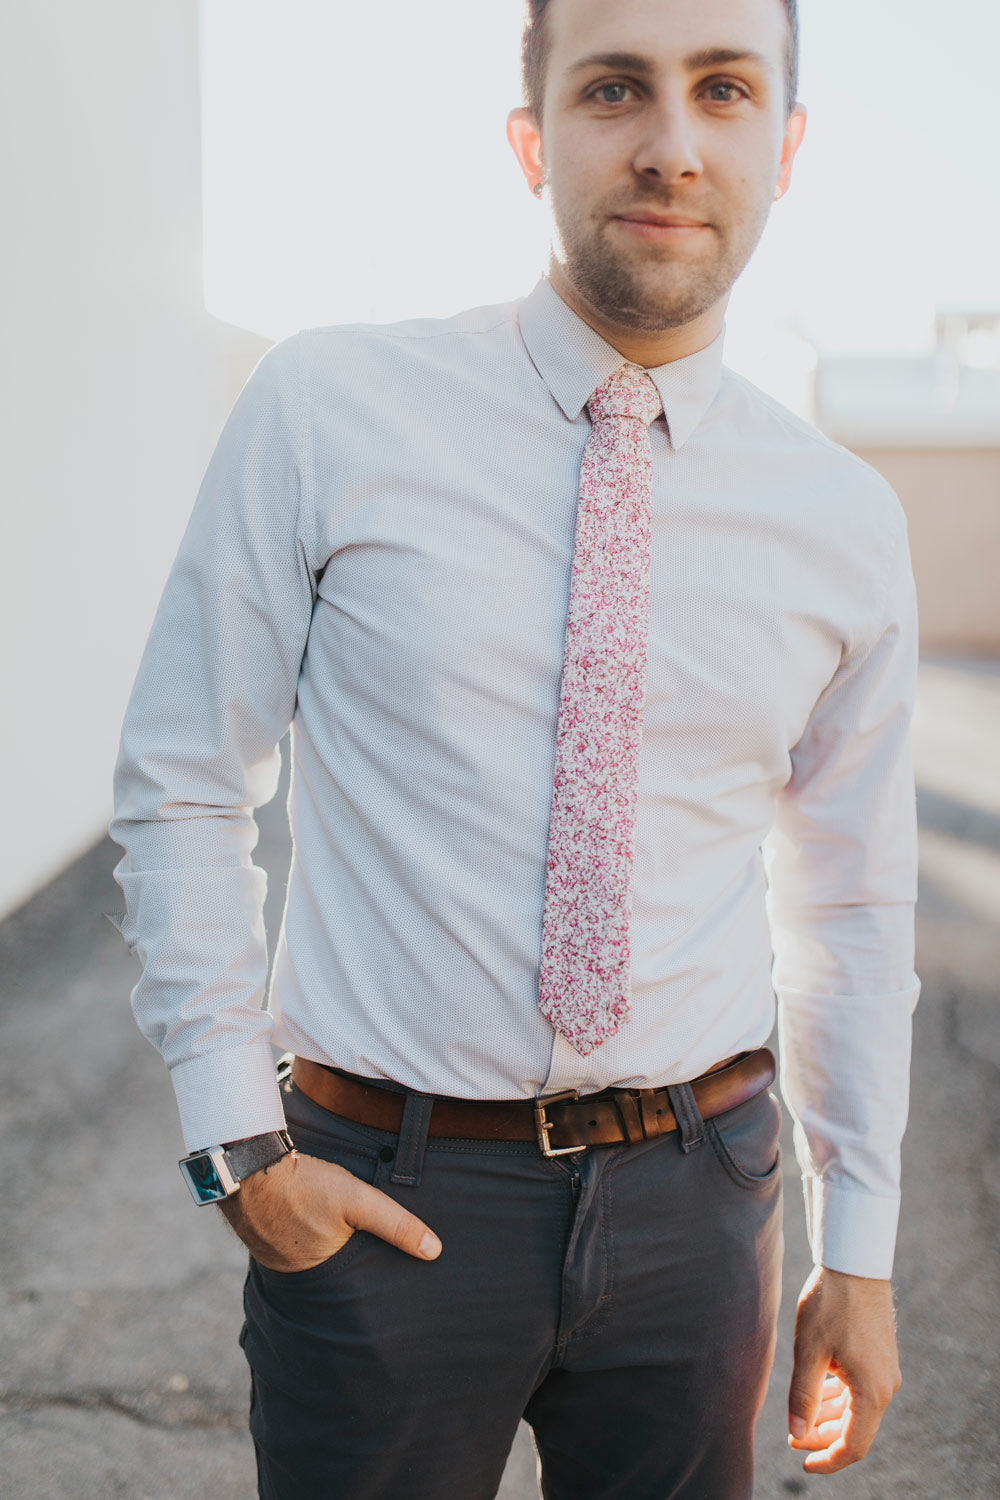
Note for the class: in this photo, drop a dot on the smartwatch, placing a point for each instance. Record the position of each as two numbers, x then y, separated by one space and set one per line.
217 1172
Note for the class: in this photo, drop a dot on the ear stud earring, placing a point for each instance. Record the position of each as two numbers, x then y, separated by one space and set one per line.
537 189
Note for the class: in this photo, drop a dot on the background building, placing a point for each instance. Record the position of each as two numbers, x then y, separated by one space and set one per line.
931 425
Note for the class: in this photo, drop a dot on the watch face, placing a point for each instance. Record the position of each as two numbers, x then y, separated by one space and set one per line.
203 1178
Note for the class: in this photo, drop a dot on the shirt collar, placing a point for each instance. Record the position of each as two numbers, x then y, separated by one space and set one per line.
573 359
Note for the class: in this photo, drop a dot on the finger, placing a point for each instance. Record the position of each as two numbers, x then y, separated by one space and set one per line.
367 1208
826 1419
855 1436
832 1406
827 1425
820 1437
808 1382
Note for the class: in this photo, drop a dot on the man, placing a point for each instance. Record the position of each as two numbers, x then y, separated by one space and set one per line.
571 625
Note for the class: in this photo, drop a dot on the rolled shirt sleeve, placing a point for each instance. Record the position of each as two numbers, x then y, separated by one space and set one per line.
215 692
842 876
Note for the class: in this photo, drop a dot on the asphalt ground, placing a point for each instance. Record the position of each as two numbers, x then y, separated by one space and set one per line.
120 1303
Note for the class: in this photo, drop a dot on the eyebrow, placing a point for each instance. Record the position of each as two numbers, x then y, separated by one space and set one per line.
634 62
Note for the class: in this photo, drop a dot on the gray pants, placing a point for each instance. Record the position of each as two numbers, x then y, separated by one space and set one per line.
622 1300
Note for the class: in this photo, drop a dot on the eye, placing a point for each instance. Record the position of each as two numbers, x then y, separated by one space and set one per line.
605 88
733 90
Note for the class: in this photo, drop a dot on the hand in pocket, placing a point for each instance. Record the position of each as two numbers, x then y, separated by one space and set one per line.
301 1211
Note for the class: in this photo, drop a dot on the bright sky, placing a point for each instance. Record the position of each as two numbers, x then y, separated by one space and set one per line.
356 167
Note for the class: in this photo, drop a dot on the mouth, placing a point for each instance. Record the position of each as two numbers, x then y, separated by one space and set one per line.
661 228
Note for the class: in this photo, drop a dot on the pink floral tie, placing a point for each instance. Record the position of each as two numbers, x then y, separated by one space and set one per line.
585 983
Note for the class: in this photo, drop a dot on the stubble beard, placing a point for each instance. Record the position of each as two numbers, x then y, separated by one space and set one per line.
655 287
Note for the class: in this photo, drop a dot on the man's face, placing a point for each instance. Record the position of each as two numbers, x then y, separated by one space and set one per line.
643 117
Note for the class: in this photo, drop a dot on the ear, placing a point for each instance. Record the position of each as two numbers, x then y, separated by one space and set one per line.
794 131
526 144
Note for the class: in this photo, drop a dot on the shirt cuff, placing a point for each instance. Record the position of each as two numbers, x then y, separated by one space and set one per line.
850 1231
228 1095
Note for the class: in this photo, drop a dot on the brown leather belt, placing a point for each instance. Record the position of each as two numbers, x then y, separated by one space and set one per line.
559 1123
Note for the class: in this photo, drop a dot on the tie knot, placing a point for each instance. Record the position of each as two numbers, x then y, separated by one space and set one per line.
629 392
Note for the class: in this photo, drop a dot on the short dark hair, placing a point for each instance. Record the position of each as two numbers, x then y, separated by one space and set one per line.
535 44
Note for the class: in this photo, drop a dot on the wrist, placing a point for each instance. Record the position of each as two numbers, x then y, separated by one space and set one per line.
851 1282
219 1172
841 1294
262 1212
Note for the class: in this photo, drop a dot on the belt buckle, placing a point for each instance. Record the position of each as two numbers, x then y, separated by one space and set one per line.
543 1126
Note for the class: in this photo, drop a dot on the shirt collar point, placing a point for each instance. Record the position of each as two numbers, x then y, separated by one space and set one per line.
573 359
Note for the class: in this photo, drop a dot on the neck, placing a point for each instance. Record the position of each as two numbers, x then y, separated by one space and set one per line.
636 344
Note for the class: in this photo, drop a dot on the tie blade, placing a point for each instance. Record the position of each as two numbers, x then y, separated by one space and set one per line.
585 974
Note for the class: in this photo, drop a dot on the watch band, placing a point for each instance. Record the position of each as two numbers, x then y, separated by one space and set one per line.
257 1152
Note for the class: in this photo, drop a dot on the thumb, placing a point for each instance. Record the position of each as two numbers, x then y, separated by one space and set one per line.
368 1208
809 1369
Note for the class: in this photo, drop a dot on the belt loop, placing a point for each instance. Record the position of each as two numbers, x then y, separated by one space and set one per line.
412 1139
688 1116
631 1119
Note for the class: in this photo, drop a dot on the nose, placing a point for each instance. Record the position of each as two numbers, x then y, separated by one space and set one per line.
668 150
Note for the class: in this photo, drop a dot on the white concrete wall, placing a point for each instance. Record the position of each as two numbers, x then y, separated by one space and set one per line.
114 383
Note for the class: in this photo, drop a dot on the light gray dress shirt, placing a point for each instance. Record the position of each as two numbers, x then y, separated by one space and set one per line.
379 555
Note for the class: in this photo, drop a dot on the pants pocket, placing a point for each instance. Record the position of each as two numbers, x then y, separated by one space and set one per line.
746 1141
